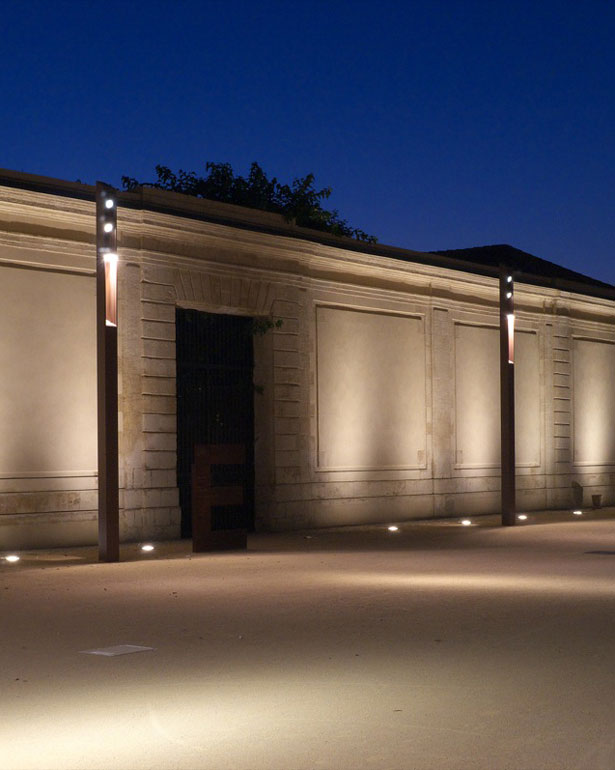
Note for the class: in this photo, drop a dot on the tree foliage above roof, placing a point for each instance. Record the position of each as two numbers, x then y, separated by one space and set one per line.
300 201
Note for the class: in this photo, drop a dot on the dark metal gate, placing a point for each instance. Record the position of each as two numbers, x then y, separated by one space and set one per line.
215 406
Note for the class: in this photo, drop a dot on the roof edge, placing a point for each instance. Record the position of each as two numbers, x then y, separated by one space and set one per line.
178 204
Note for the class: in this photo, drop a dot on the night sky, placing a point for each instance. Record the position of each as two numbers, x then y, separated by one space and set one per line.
438 124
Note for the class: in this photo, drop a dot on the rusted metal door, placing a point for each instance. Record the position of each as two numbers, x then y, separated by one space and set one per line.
218 497
215 407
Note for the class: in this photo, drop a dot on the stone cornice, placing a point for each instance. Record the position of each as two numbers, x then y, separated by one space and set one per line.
64 227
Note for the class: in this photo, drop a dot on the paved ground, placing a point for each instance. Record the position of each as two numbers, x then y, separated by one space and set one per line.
438 647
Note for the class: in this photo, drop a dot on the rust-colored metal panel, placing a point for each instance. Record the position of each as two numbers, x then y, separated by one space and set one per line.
220 454
222 495
207 496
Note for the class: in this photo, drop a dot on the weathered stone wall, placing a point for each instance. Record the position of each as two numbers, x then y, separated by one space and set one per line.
380 390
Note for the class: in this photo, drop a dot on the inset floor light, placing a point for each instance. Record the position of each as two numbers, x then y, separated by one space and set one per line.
522 517
466 522
12 558
147 547
577 513
393 528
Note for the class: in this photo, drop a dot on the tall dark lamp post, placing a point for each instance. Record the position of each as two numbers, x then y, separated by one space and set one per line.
507 395
106 346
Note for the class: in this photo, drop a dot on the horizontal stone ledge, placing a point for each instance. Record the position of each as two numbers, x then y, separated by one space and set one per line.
159 423
159 404
154 291
159 460
158 385
153 348
159 367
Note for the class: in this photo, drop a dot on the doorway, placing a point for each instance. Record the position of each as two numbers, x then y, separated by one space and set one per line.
215 406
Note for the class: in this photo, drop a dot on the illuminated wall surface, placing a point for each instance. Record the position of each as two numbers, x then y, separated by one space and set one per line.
477 398
379 393
48 373
371 390
594 407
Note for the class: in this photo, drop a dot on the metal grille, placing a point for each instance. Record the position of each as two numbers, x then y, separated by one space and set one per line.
215 403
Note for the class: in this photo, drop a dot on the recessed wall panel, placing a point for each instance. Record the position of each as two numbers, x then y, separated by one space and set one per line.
47 372
528 424
594 402
371 390
477 397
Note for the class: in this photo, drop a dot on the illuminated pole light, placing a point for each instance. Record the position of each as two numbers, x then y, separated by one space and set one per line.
507 396
107 371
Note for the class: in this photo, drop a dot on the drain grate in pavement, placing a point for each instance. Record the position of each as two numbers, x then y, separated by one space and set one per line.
603 553
118 649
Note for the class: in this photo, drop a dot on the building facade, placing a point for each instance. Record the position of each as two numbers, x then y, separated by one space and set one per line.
376 393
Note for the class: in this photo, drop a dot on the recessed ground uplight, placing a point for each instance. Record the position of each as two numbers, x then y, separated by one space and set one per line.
522 517
12 558
147 547
393 528
577 513
466 522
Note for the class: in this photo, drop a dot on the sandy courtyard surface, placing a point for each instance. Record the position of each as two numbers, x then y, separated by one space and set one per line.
438 647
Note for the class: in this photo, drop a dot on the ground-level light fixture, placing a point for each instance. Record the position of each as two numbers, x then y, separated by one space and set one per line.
147 547
12 558
522 517
466 522
577 513
393 528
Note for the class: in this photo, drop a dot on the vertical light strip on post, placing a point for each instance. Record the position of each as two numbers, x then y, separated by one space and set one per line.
507 394
106 344
110 289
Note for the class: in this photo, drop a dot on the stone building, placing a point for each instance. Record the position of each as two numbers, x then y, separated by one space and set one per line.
376 389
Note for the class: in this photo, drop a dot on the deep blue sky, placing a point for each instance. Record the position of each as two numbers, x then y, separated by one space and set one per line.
437 124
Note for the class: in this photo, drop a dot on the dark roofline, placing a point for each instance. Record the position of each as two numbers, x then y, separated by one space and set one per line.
177 204
521 262
46 184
